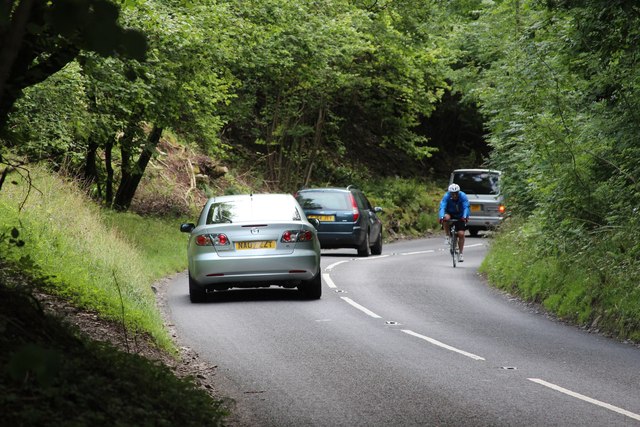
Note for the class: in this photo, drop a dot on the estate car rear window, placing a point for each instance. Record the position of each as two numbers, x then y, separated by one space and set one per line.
324 200
251 210
478 182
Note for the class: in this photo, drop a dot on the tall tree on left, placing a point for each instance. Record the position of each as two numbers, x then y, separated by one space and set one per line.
39 37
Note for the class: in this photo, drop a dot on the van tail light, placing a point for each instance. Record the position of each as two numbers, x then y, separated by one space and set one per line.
502 209
212 240
292 236
356 212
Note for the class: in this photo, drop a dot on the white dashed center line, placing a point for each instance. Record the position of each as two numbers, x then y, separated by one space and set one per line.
443 345
361 308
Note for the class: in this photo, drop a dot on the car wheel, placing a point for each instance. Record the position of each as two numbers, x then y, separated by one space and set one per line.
196 293
365 249
312 289
473 232
376 249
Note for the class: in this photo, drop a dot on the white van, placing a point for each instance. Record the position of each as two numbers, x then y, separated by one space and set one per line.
482 186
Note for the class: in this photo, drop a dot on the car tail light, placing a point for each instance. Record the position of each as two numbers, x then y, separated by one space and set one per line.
291 236
356 212
502 209
203 240
212 240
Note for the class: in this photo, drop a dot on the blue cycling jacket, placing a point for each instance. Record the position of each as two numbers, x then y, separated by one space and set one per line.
456 208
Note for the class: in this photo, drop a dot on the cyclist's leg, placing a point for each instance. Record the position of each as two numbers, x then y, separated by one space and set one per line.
461 226
445 225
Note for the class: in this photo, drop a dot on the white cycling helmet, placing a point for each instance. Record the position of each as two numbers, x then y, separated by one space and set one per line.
454 188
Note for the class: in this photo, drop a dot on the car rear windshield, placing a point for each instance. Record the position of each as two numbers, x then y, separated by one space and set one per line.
247 210
316 200
477 182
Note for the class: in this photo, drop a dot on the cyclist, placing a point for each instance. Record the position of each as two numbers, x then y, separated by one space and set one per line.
455 205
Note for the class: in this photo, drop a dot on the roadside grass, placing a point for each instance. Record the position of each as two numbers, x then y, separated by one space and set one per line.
159 240
590 282
106 262
98 260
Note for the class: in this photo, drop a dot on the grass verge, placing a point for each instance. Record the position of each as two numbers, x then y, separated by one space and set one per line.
98 260
591 281
103 262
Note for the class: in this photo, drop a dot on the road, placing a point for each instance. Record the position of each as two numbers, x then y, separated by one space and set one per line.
405 339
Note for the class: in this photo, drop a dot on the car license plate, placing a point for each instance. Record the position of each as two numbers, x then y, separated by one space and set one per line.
258 244
475 208
323 218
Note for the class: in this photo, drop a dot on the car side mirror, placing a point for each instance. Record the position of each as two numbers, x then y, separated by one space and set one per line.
315 222
187 228
377 209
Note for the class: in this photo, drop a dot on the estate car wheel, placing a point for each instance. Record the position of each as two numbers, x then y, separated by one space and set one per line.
312 289
376 249
473 232
196 293
365 249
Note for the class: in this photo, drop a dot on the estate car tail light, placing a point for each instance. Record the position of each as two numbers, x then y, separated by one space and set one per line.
291 236
502 209
356 212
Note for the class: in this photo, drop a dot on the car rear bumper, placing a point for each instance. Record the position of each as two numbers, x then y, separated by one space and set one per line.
352 239
484 222
210 269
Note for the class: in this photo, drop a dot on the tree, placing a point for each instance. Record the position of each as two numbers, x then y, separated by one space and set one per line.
329 79
38 38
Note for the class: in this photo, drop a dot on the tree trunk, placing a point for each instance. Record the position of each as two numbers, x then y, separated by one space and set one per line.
108 196
315 149
131 176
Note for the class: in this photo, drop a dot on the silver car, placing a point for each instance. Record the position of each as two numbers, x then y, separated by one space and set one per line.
253 240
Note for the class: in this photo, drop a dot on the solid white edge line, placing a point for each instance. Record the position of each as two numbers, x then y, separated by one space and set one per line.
361 308
473 246
328 280
370 258
586 398
443 345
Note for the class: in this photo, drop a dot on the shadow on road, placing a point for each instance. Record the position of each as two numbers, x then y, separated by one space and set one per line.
260 294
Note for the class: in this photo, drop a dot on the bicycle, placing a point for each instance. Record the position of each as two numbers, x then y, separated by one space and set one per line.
453 240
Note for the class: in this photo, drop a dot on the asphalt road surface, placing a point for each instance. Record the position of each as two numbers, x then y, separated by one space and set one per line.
405 339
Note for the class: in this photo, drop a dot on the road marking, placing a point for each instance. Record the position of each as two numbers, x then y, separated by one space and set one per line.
443 345
586 398
370 258
335 264
328 280
361 308
473 246
418 252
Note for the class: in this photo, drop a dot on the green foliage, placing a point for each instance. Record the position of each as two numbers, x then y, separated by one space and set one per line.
50 121
38 38
325 78
410 206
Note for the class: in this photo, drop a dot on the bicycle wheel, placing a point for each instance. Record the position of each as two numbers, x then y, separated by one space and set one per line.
454 245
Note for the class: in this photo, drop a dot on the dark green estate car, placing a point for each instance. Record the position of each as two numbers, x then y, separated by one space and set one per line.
347 219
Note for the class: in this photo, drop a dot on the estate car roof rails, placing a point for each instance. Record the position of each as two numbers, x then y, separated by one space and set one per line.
351 186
